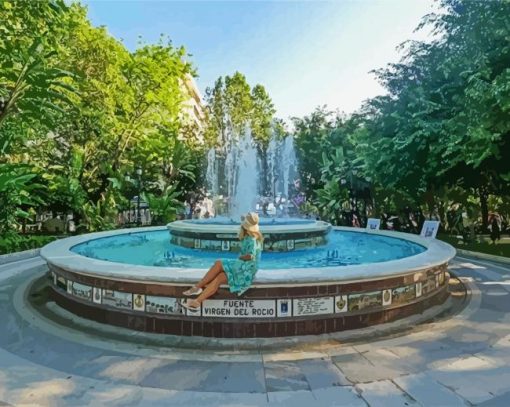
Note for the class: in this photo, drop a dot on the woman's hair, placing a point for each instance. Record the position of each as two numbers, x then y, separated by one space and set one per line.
257 235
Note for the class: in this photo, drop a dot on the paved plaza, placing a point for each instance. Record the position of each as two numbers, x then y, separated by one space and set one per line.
56 359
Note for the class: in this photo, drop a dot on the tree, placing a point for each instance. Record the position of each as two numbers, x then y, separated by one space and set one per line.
233 107
310 137
32 83
80 111
33 87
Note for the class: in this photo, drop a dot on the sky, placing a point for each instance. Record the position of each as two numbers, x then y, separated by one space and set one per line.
306 53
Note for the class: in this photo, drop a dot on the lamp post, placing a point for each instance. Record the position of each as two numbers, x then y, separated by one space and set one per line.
138 216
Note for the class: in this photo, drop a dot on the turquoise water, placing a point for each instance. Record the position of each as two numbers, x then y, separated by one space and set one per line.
154 249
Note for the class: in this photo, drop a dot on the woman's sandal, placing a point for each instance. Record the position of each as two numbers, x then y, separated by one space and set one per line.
188 306
193 291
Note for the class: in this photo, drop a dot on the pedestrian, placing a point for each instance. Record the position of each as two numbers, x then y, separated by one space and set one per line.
495 230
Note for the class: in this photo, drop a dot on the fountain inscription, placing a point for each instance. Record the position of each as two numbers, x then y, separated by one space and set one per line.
239 308
313 306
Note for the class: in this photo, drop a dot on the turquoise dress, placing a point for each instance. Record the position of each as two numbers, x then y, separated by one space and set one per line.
240 273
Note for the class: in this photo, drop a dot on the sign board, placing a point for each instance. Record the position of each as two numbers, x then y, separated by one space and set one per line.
239 308
373 224
429 229
312 306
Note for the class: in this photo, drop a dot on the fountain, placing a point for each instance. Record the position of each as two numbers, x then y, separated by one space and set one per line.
236 169
313 279
242 178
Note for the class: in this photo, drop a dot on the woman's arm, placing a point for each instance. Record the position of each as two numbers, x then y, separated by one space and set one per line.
248 249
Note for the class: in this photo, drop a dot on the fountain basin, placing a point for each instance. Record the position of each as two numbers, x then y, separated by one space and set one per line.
280 235
282 302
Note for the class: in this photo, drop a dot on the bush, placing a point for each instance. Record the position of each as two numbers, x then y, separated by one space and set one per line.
17 243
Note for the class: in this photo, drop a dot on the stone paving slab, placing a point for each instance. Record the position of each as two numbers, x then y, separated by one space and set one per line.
390 363
23 383
419 355
121 396
284 376
322 373
385 393
210 377
473 378
128 370
196 399
359 369
496 356
338 396
298 398
428 392
499 401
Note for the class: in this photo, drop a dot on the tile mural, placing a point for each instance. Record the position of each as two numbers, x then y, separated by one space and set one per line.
82 291
403 295
118 299
363 301
285 307
428 285
163 305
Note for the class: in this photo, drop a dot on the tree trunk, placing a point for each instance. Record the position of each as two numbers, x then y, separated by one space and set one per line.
484 197
442 214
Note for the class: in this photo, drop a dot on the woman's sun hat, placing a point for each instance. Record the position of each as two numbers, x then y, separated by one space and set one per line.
251 222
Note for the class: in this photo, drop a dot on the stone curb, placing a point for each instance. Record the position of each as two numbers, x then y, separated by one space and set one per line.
484 256
18 256
290 348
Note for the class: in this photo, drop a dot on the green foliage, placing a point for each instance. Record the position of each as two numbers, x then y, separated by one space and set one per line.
330 200
32 86
261 121
100 215
442 127
164 208
12 242
17 191
311 134
78 111
233 107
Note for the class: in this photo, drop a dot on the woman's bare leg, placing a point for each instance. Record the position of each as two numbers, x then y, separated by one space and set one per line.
211 289
213 272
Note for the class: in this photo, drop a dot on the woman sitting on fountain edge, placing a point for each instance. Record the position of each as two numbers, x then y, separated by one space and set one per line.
237 273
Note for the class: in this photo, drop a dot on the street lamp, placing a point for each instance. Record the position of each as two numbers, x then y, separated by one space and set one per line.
138 216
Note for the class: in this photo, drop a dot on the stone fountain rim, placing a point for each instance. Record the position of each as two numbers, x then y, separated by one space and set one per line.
187 226
59 254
